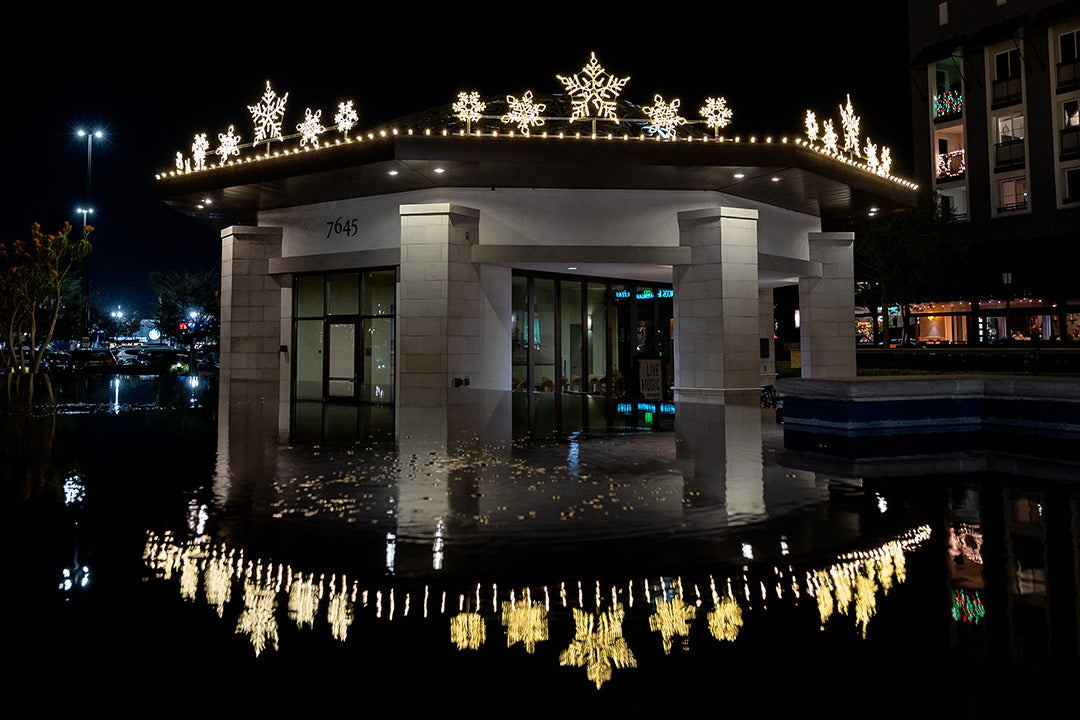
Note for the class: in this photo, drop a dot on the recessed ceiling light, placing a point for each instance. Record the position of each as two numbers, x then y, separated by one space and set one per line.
776 179
739 176
391 172
571 268
439 170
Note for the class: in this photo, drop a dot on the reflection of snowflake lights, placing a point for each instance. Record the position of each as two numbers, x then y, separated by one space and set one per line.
747 551
74 490
882 503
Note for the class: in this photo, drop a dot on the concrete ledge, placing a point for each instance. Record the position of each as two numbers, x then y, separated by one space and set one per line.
931 403
335 261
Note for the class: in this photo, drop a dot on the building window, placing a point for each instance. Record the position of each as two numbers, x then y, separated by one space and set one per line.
1007 88
948 100
1072 185
1013 195
951 158
1009 148
1068 69
943 13
1070 131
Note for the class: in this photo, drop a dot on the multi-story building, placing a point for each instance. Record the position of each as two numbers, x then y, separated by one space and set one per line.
996 118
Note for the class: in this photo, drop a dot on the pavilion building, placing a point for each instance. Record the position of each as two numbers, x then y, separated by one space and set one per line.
586 268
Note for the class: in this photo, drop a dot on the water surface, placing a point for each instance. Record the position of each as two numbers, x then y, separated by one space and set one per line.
170 548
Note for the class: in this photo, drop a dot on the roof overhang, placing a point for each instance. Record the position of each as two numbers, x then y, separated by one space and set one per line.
784 175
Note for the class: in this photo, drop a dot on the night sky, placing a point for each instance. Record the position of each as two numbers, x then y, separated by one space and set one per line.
197 70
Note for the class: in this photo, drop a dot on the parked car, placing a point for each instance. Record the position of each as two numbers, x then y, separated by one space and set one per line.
56 361
163 359
127 354
92 359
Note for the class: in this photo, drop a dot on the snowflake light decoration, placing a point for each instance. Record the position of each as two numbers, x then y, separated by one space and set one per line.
229 145
469 108
871 155
179 161
850 122
885 163
267 115
597 88
665 116
812 128
716 113
198 151
829 137
524 112
311 128
346 117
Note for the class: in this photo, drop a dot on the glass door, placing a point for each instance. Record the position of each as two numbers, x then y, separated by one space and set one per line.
341 377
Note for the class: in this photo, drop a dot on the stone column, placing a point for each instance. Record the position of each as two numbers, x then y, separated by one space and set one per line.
716 306
251 305
827 308
440 310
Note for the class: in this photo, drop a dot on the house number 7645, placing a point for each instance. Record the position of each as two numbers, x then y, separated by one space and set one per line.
342 227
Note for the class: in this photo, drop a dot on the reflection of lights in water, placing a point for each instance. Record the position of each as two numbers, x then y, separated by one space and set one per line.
882 503
77 577
339 612
304 601
966 540
467 631
116 394
725 620
391 547
198 514
849 586
525 622
217 584
747 551
258 620
437 545
598 644
967 606
573 454
74 490
784 550
672 619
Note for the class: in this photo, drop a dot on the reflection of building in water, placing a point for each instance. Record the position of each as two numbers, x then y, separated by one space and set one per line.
579 265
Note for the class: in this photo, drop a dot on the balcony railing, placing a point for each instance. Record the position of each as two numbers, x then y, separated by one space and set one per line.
1009 155
1013 206
948 105
1068 76
1006 92
951 165
1070 143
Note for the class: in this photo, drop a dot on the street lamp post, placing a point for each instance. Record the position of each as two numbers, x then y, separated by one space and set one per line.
85 211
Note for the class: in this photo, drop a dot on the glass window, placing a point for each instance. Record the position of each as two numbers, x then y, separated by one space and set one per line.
379 292
542 334
519 333
1013 193
309 359
1007 64
572 337
344 294
309 295
596 321
1069 46
1072 113
1011 128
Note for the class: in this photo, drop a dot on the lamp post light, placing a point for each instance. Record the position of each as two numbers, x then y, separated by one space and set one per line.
89 135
